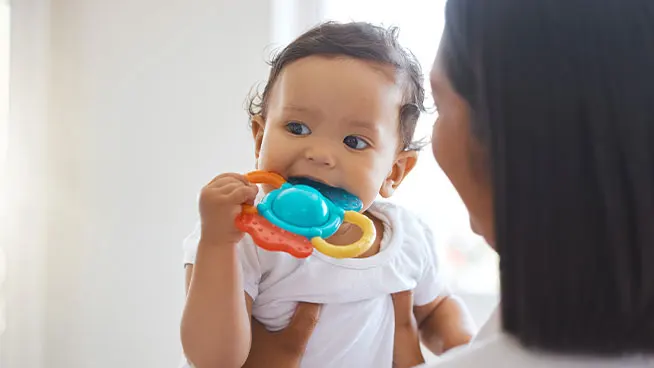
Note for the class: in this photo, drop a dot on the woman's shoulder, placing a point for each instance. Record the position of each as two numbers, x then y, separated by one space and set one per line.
504 351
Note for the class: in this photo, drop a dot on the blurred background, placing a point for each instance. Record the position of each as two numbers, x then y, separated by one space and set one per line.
113 114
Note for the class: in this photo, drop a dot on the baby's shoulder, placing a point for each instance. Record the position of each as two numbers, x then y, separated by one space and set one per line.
407 227
400 218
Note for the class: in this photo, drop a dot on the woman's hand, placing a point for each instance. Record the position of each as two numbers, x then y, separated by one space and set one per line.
285 348
406 350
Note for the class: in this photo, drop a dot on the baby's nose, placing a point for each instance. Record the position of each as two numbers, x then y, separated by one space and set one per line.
320 156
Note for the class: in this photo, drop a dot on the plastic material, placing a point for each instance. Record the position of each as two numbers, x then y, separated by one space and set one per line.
272 238
340 197
295 218
301 210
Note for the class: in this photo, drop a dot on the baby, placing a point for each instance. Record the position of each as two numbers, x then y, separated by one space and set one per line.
340 107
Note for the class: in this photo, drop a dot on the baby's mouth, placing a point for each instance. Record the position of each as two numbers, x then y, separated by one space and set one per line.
339 196
322 186
309 181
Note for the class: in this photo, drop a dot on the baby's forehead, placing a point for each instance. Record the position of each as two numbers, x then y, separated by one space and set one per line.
339 83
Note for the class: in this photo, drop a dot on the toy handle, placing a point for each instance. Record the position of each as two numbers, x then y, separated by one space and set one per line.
265 177
355 249
262 177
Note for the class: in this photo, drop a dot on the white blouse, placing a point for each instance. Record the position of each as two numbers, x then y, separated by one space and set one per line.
493 348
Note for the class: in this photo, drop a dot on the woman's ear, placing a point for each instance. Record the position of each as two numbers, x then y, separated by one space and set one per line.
404 163
257 124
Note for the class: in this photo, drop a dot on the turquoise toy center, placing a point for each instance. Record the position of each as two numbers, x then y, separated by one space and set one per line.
301 206
303 210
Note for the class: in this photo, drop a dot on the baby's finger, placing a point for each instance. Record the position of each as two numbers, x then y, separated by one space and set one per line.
227 188
227 177
255 188
243 194
228 183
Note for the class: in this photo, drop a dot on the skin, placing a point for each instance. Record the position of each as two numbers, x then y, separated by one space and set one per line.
345 134
281 349
285 348
305 130
460 155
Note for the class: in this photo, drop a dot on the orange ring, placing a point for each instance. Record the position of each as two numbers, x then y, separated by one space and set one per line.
262 177
246 208
265 177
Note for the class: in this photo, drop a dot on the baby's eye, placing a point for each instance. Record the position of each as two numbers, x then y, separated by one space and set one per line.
355 142
298 128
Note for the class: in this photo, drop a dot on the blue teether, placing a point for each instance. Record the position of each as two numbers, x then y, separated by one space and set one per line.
340 197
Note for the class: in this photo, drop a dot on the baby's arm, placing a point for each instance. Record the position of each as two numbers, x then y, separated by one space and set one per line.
444 324
216 322
215 328
443 320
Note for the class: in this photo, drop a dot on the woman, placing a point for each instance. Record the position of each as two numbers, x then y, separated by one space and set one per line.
546 129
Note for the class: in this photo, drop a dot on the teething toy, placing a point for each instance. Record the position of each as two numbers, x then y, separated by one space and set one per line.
300 214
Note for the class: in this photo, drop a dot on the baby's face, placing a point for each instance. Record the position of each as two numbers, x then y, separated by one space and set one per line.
334 120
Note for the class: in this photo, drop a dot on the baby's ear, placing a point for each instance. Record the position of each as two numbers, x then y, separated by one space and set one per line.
257 124
404 163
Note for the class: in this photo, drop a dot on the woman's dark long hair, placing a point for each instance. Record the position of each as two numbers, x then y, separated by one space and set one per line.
562 97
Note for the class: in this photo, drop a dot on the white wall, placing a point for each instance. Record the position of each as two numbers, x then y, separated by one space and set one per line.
23 221
141 102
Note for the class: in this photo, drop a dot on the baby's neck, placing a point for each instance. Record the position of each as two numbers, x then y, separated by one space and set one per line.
348 234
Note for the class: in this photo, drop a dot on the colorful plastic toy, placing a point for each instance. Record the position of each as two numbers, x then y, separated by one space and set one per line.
300 214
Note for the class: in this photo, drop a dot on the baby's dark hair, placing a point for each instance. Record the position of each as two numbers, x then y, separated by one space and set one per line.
362 41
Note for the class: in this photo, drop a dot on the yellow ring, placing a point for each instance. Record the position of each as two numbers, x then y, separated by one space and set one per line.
355 249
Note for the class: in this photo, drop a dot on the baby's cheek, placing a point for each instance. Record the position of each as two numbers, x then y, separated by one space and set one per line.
369 197
270 162
363 180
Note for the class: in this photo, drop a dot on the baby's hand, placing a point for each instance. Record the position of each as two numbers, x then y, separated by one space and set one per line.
220 203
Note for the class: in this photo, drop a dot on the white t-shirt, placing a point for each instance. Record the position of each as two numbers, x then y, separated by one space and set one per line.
493 348
356 326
